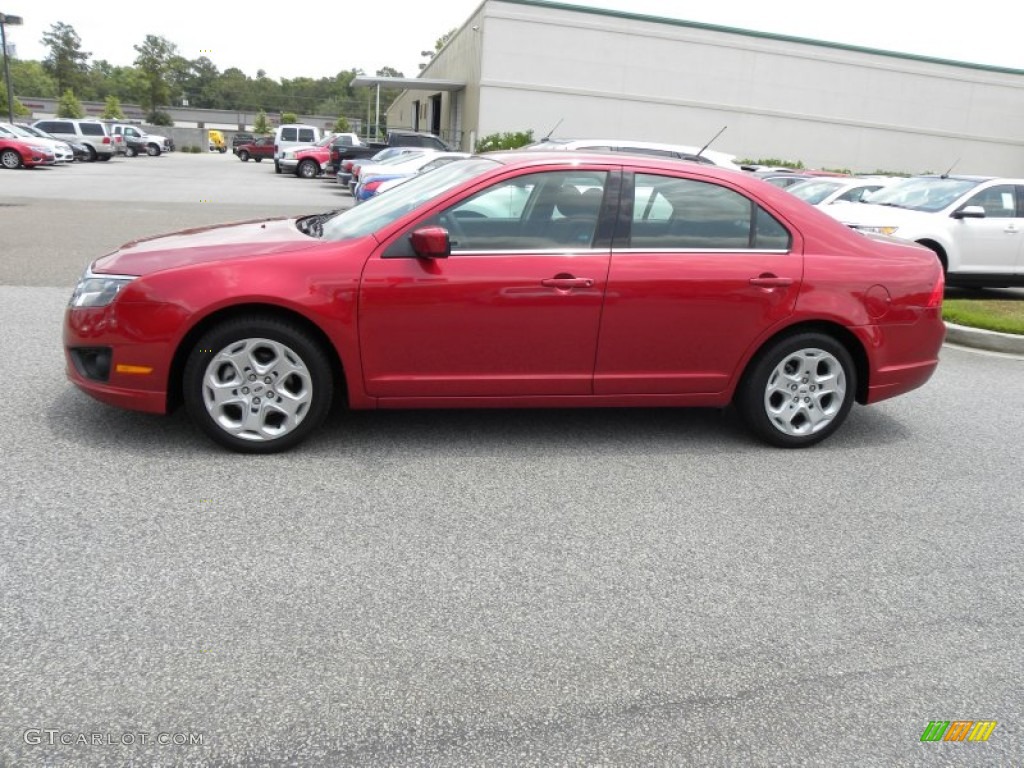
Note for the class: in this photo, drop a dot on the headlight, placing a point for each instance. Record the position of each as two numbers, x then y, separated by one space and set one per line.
877 230
97 291
289 155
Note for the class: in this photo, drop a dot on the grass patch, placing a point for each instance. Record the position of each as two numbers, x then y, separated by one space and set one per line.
990 314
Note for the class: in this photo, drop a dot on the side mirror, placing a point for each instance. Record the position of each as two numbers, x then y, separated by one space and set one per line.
431 243
970 212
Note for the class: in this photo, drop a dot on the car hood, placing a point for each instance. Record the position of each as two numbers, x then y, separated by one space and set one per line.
870 215
196 246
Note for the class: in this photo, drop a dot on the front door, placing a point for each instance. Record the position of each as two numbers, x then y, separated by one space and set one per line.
515 309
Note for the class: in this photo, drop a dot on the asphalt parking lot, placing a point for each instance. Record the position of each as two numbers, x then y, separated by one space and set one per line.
630 587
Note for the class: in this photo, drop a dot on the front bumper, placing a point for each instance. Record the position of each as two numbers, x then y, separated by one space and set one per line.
133 347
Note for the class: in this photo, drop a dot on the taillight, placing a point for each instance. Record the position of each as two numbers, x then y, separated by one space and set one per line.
935 299
106 139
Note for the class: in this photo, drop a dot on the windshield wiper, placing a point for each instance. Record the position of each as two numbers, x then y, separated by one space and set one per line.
314 225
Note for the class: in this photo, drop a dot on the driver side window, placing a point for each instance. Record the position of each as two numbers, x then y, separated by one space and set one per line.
537 212
999 202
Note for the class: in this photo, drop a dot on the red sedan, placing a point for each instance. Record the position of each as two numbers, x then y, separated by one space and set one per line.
15 153
515 280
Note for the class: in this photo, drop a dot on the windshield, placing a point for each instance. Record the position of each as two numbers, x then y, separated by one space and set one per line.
929 194
380 211
813 191
12 130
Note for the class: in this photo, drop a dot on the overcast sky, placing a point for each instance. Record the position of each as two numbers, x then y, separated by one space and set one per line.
322 38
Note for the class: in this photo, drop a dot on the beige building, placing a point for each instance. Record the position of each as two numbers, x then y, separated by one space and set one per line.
519 65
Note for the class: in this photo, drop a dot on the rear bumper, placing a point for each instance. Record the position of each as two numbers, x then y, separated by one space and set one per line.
905 356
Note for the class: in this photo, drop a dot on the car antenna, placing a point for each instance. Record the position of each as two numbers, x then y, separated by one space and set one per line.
712 141
946 174
548 136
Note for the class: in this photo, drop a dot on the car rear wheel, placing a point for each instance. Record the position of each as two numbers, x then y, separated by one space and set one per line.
258 159
152 150
92 154
798 390
131 152
243 156
257 384
104 158
308 169
10 159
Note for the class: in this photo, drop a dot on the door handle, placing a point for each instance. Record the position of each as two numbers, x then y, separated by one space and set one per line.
771 281
566 283
1011 230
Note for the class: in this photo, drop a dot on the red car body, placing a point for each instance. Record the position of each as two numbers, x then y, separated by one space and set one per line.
28 154
608 324
257 150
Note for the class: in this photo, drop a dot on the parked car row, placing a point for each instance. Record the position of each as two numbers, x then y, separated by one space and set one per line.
76 139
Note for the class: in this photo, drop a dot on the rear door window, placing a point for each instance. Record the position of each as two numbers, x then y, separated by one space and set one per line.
306 134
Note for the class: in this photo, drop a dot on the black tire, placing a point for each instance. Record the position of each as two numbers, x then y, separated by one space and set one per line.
277 167
222 150
243 156
258 159
288 356
153 150
104 158
93 155
131 152
10 159
308 169
798 390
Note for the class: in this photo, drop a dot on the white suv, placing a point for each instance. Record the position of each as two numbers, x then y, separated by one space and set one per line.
291 136
92 133
974 224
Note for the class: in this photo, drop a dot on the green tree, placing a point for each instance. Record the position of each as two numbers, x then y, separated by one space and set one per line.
341 125
440 43
159 117
69 105
261 125
19 108
66 63
30 78
112 109
289 117
154 60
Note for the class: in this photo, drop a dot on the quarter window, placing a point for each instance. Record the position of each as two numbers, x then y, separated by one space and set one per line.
92 129
306 134
683 214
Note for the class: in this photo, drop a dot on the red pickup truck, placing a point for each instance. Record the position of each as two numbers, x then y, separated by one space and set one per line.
257 150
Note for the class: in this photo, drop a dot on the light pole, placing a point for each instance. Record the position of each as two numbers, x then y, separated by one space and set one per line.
14 21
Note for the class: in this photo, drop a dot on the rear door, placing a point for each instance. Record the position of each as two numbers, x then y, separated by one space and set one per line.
699 272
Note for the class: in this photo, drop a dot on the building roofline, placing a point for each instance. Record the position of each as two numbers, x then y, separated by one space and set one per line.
762 35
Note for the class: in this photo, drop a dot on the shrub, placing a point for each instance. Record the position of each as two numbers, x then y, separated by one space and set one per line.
159 117
507 140
289 117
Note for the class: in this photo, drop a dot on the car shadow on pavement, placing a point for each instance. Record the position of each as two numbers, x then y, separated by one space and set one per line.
76 418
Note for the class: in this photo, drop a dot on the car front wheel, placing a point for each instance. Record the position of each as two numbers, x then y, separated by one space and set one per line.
277 167
152 150
257 384
308 169
243 156
798 390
